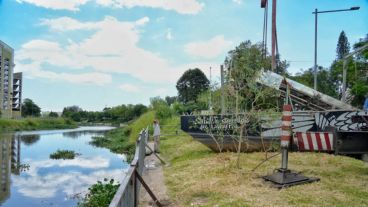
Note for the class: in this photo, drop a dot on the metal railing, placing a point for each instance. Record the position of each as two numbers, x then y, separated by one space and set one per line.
128 192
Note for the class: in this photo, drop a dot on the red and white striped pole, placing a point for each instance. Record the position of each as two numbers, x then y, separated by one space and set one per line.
286 133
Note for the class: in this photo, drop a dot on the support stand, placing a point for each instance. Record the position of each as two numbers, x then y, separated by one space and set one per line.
283 177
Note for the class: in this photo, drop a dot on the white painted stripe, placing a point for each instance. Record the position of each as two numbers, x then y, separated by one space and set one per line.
305 140
285 133
287 113
323 140
314 141
330 136
286 123
284 143
295 140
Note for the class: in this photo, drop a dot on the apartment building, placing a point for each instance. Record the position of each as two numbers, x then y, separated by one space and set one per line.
10 84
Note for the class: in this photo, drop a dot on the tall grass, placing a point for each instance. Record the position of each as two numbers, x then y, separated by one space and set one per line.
7 125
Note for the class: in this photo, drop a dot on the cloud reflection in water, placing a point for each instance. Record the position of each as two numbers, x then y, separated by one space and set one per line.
32 184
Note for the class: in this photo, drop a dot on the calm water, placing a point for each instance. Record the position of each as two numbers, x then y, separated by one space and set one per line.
48 182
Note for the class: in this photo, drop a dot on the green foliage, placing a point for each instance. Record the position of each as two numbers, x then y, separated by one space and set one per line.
100 194
191 84
178 108
171 99
343 46
363 56
161 108
53 114
142 122
35 124
29 108
63 154
117 141
245 64
326 85
117 114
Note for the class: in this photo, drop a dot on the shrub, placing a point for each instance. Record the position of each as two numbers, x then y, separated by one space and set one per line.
100 194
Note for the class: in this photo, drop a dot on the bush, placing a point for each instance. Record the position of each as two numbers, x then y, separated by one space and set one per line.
100 194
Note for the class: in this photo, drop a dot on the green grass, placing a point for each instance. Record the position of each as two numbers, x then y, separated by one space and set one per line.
63 154
141 123
117 141
196 176
8 125
122 140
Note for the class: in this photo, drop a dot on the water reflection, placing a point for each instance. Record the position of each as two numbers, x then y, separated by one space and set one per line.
10 162
29 139
55 182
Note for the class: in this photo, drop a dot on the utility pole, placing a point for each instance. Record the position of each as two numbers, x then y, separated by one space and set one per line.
315 50
316 12
222 91
273 35
210 102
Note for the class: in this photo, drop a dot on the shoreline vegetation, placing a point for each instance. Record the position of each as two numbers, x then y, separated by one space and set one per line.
29 124
122 140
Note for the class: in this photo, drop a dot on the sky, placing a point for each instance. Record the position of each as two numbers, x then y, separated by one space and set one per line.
103 53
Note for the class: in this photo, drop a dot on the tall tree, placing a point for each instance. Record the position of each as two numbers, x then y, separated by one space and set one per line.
29 108
191 84
343 46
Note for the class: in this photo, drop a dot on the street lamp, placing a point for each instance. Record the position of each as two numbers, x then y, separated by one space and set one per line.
316 12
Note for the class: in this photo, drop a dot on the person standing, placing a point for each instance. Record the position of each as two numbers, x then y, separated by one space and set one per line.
365 105
156 136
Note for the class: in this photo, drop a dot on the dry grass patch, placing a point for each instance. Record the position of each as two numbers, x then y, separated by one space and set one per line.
198 177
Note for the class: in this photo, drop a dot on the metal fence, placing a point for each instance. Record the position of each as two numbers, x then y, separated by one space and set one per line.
128 192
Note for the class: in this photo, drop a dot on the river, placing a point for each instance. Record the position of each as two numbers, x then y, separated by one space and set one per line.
28 177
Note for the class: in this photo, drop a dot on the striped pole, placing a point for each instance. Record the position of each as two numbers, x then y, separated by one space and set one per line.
286 126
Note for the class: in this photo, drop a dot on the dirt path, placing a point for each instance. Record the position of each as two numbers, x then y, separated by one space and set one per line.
154 177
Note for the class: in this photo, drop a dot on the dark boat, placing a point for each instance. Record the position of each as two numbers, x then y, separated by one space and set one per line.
219 134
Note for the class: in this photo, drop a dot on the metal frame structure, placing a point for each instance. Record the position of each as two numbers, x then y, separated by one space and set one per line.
128 192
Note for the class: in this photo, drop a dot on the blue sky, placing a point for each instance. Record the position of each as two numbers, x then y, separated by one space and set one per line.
97 53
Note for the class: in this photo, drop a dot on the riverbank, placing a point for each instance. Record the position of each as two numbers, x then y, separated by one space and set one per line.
122 140
198 177
28 124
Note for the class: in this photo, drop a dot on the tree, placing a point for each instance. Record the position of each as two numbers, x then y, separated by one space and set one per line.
343 46
53 114
170 100
191 84
29 108
245 64
326 85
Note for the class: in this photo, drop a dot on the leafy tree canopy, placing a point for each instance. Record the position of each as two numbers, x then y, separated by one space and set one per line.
53 114
343 46
29 108
191 84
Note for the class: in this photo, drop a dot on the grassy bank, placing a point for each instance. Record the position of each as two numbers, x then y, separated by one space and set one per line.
198 177
122 140
8 125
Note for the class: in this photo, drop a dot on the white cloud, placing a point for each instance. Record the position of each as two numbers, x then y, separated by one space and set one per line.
130 88
238 1
72 5
180 6
169 35
208 49
110 48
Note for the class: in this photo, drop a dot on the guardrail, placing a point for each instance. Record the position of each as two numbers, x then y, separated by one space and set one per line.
128 192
